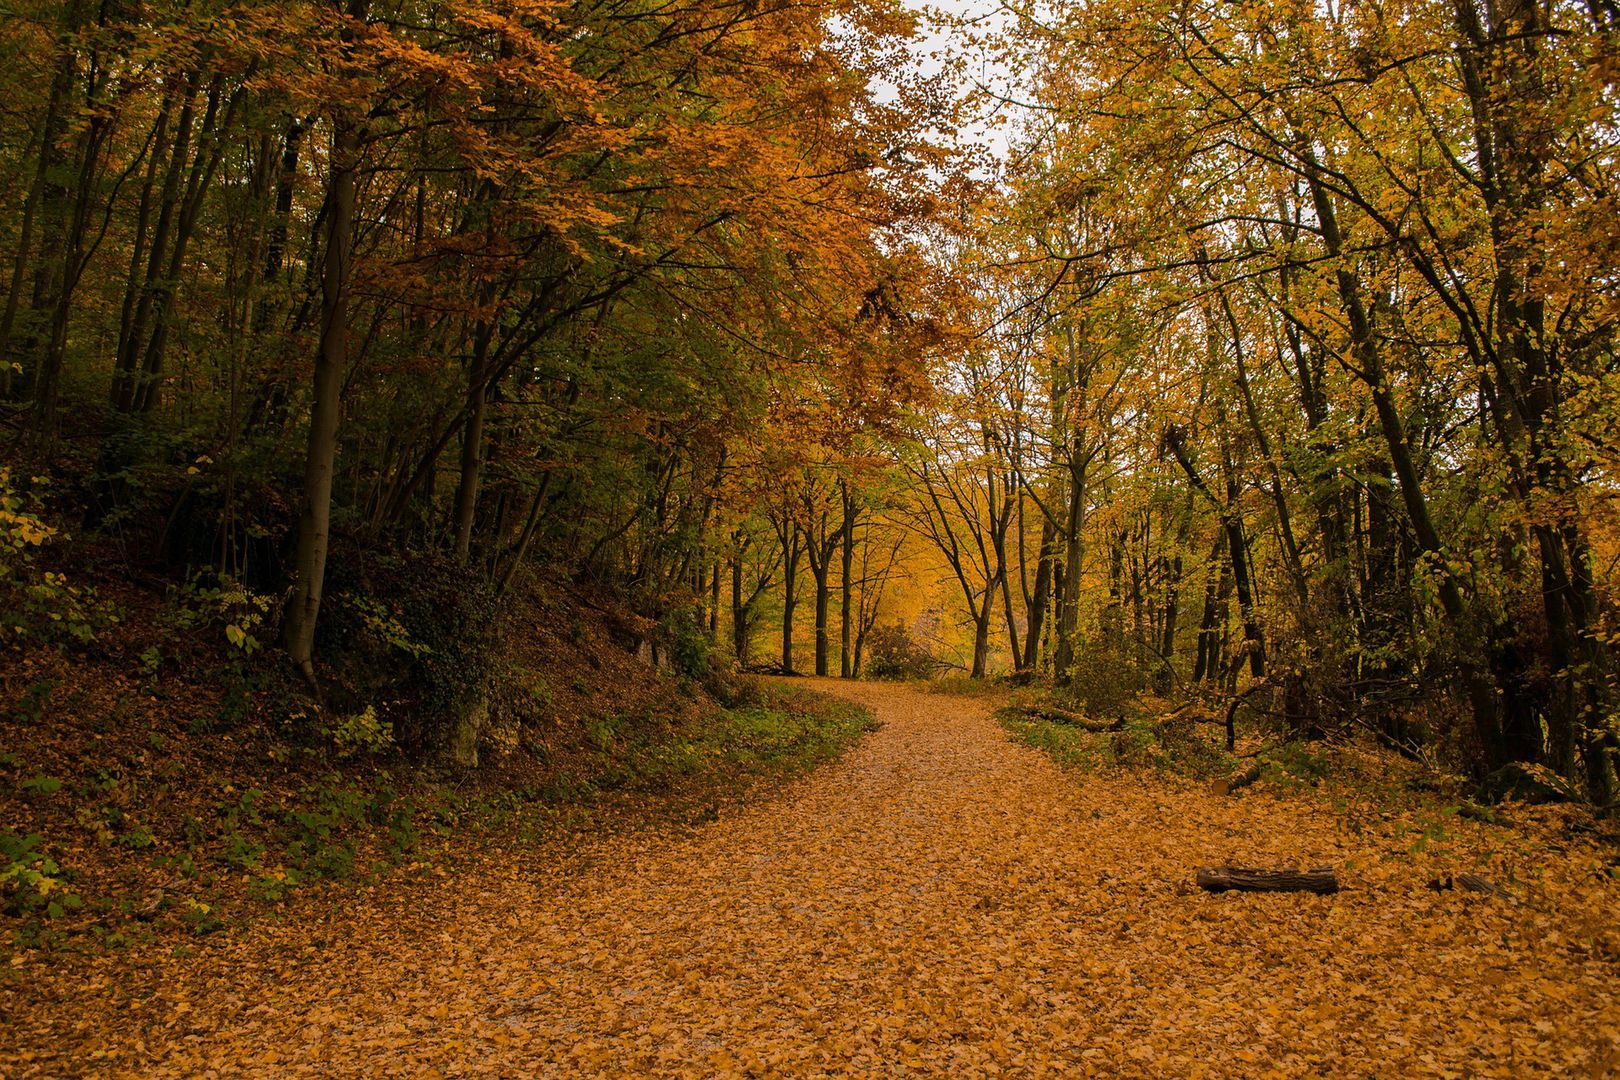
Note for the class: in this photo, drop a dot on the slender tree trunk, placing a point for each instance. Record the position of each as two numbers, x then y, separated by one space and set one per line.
472 440
270 402
19 261
1207 665
530 524
1236 545
309 566
823 596
739 618
47 392
714 602
1501 746
846 585
789 602
205 163
1041 597
1172 612
1068 616
981 636
791 552
1253 638
51 195
1113 618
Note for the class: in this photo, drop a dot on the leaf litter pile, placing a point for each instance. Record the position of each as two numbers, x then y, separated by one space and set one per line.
940 901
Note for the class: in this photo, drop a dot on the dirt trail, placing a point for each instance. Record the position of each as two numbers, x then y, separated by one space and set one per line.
939 901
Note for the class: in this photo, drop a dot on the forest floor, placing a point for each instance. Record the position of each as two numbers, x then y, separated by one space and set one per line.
940 900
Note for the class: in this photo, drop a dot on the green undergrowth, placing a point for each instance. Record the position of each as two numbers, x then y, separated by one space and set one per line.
1185 740
1366 787
1181 745
773 734
1142 741
789 734
245 851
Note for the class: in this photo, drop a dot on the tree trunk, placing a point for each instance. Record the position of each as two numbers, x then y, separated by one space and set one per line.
790 575
204 164
1172 613
1068 615
981 637
314 525
530 524
1236 546
846 652
51 195
739 617
1480 685
472 439
823 595
1041 597
714 603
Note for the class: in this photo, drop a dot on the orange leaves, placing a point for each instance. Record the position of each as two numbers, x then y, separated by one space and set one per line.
939 903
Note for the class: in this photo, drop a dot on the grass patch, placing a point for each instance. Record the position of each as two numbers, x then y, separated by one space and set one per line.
787 733
1070 747
1165 744
237 852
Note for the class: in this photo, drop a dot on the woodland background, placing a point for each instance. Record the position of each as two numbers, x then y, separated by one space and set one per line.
1274 364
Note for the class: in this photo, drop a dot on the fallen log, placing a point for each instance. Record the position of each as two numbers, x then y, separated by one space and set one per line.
1242 779
1074 719
1223 878
1475 883
1470 883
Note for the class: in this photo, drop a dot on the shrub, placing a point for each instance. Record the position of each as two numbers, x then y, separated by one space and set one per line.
684 640
1102 682
892 653
359 733
411 638
34 602
208 600
30 880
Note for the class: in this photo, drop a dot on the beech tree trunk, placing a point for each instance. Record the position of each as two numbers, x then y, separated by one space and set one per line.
981 637
1041 597
846 650
739 616
315 520
472 440
790 600
823 596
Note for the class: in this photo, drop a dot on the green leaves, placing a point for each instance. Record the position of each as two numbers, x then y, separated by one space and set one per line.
30 880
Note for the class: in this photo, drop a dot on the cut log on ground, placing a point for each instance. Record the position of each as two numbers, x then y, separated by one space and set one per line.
1223 878
1242 779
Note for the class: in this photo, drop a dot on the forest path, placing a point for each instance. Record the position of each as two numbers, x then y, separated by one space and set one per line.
938 901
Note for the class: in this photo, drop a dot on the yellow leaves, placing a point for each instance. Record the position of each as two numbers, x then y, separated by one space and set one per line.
29 530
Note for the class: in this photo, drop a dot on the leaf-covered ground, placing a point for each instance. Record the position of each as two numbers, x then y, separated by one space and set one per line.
939 901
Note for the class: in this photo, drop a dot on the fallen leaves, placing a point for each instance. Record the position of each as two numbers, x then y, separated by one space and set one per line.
939 902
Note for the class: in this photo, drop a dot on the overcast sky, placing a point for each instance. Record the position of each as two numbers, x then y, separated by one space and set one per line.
986 80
